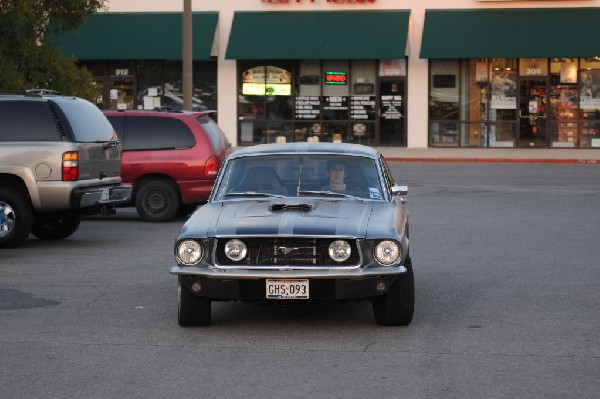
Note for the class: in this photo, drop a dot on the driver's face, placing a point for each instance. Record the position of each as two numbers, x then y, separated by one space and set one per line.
337 174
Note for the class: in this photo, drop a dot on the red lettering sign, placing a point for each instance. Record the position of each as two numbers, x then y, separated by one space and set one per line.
312 1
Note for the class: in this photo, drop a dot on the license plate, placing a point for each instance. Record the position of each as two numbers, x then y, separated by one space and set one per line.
105 194
287 289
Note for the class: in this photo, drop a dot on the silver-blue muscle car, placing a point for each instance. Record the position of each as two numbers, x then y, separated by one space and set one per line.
298 223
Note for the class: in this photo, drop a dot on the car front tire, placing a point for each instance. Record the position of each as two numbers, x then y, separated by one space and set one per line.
396 307
19 217
193 310
157 201
55 228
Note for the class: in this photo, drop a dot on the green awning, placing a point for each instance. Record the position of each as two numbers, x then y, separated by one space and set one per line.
511 33
138 36
318 35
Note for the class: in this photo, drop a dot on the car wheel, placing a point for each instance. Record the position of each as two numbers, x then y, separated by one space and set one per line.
396 307
157 201
16 218
193 310
55 228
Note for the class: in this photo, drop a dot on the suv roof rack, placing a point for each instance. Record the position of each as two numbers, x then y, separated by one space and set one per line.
41 92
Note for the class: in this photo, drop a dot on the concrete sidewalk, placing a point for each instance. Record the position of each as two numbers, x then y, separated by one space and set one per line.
492 155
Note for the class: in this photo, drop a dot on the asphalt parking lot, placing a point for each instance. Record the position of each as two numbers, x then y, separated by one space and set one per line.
506 274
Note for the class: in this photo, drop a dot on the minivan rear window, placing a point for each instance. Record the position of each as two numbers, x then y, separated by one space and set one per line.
27 121
88 123
216 135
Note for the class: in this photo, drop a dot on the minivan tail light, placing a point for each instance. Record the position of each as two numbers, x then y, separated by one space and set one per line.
211 167
70 166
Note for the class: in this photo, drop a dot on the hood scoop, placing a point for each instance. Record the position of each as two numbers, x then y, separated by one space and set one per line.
291 207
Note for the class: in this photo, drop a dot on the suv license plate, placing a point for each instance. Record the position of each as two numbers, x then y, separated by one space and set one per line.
287 289
105 194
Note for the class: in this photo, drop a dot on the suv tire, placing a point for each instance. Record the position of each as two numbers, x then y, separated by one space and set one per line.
19 215
54 228
157 200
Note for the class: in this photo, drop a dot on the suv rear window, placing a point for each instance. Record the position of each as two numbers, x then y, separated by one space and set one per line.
27 121
88 123
156 133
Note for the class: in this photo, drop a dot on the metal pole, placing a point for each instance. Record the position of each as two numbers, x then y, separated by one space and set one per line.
187 61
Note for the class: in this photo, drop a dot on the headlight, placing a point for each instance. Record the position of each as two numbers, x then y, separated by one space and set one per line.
235 250
339 250
387 252
189 252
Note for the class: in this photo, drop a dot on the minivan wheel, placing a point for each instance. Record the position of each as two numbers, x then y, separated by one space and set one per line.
193 310
157 201
16 219
55 228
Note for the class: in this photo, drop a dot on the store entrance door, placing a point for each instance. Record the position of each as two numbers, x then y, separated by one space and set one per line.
533 112
392 113
121 93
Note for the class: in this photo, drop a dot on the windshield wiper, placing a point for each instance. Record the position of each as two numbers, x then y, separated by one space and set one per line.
330 194
252 194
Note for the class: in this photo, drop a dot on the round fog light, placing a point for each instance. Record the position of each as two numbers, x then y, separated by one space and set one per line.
339 250
380 286
196 287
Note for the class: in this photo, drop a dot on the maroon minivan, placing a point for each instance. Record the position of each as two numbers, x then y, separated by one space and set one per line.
170 157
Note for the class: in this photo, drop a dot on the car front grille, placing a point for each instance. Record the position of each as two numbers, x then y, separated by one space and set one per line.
287 251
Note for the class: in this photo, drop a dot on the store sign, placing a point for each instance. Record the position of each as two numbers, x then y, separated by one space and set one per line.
362 107
394 67
504 90
308 107
336 103
269 89
336 78
391 106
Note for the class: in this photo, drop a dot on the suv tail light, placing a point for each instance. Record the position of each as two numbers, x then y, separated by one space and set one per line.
211 167
70 166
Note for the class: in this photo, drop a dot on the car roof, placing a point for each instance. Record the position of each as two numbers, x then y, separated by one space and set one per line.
307 148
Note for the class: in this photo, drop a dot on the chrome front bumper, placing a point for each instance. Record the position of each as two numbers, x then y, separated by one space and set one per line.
234 274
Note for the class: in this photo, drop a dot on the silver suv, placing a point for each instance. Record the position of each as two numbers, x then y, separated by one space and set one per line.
59 159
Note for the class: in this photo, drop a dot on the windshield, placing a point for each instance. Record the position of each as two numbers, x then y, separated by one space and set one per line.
307 175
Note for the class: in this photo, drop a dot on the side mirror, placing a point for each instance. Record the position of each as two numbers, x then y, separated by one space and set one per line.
399 190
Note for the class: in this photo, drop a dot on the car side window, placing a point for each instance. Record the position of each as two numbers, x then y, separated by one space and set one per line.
27 121
156 133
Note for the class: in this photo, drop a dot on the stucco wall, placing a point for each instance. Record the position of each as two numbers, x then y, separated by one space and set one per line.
417 101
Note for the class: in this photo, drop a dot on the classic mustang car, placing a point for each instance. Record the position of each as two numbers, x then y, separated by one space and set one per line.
298 223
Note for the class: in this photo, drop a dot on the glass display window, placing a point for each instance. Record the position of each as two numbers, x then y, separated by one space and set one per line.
444 90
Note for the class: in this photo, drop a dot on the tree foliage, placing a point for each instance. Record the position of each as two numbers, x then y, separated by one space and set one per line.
28 59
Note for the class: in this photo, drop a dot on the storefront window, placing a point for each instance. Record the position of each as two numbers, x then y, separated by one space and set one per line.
150 90
444 104
527 102
564 98
589 101
329 100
